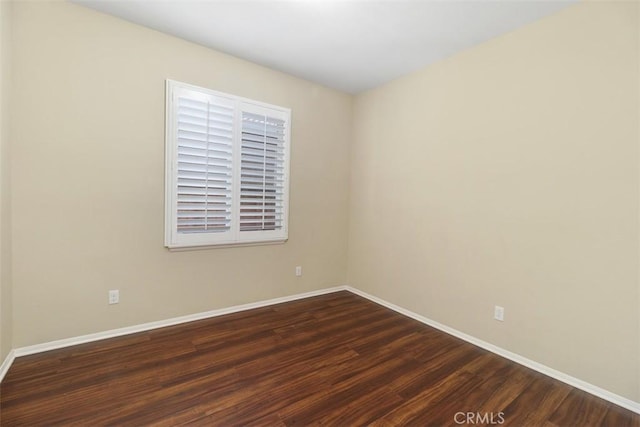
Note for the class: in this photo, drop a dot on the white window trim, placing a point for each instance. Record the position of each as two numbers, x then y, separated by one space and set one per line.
234 237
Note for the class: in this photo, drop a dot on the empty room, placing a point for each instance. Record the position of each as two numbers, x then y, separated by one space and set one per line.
320 212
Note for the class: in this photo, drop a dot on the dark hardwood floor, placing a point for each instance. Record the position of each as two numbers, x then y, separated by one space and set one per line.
335 360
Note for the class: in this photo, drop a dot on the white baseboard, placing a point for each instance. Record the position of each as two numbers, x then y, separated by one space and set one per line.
560 376
6 364
52 345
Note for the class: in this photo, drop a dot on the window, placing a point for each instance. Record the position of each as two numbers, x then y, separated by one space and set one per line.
227 169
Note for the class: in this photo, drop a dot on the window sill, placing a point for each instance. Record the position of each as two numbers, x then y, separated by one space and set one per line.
225 245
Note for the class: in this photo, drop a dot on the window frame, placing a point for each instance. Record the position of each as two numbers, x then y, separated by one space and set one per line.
233 237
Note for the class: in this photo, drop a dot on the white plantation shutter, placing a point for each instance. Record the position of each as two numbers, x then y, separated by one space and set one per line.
205 143
262 173
227 169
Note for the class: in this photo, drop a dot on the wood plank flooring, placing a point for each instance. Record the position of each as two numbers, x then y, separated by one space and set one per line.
336 360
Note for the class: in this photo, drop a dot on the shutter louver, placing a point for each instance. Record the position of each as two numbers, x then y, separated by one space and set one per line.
204 165
262 173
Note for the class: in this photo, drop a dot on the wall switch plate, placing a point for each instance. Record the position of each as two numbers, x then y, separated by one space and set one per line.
498 313
298 271
114 296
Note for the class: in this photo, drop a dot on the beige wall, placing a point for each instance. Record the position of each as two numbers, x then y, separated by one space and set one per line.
508 175
88 175
6 320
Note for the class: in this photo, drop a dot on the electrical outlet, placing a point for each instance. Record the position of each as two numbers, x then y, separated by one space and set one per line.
498 313
114 296
298 271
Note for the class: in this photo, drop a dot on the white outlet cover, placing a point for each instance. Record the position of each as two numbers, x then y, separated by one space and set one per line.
114 296
498 313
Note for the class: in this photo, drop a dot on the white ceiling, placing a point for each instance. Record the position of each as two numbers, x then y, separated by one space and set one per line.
348 45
